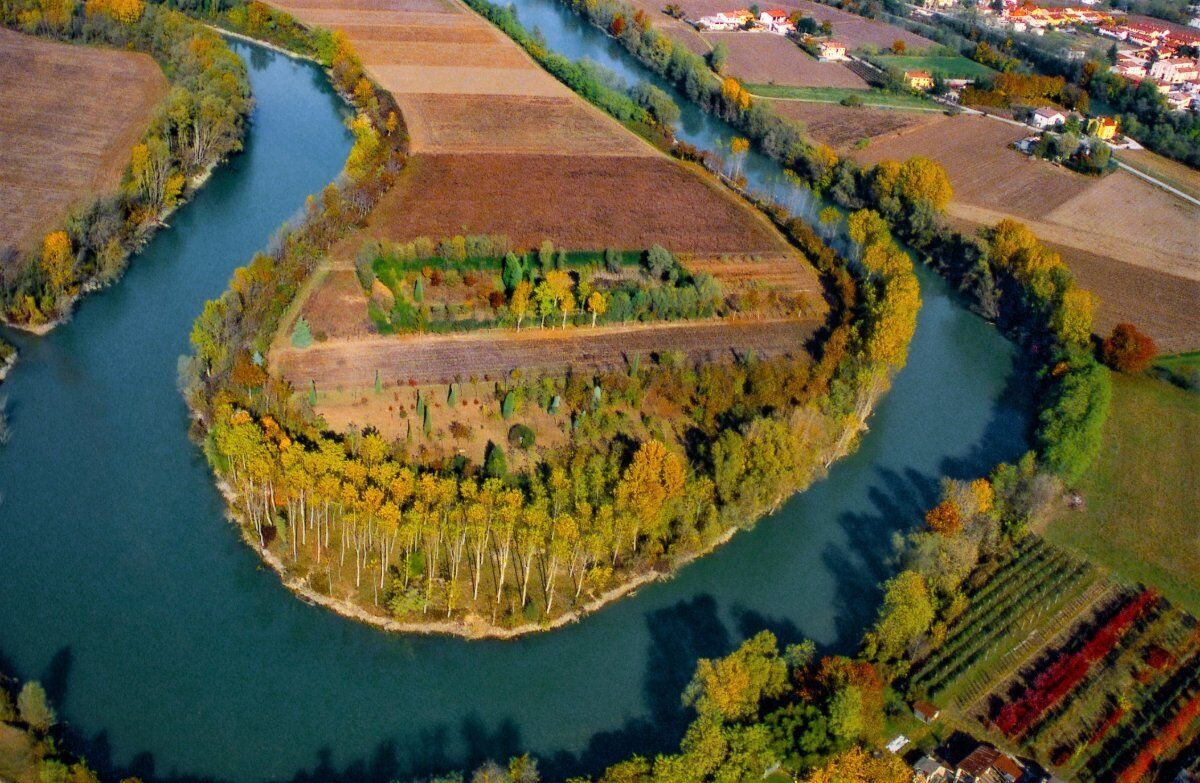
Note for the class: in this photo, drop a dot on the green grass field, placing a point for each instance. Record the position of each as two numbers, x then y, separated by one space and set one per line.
1182 369
1142 516
879 98
953 67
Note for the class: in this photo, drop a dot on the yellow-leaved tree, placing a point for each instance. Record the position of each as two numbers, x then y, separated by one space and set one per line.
58 262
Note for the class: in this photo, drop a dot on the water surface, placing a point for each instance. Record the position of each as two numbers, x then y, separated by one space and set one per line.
173 654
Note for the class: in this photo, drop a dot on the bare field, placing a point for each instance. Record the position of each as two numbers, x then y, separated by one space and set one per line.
840 126
763 58
342 364
71 137
1164 306
784 273
1172 172
575 201
513 124
1134 244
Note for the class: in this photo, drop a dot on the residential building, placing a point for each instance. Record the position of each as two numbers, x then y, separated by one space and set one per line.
1103 128
918 80
1174 70
776 21
1046 117
833 50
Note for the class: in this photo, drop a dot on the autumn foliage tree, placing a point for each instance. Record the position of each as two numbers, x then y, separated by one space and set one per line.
945 518
1127 349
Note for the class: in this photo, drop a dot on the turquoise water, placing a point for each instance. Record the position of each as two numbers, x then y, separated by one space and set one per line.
175 656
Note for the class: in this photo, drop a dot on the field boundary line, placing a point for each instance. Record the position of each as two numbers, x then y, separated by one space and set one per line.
1155 181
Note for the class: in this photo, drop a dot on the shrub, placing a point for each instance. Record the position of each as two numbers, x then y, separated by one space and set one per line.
1127 349
521 436
34 708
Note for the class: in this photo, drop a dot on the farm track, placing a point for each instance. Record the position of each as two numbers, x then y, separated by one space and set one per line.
493 354
70 138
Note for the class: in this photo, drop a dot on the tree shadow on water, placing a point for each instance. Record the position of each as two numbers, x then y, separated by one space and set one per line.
679 635
897 501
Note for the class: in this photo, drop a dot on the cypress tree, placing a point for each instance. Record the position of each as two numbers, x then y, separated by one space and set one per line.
509 405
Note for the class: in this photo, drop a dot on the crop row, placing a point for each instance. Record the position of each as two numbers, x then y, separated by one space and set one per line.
999 623
1142 723
1062 676
982 623
998 587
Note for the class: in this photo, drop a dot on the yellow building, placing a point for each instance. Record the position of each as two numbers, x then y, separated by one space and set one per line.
918 80
1103 128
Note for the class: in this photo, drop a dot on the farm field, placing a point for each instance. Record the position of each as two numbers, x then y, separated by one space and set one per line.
1109 229
953 67
1054 660
578 201
500 146
347 364
763 58
1142 494
71 138
840 126
869 97
1174 173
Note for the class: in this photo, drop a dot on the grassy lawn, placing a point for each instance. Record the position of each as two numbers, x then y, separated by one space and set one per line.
837 94
1142 518
954 67
1181 368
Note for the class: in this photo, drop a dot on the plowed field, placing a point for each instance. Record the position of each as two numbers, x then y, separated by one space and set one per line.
69 116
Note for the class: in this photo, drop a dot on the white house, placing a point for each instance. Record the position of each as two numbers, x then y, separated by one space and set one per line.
776 21
723 21
1047 118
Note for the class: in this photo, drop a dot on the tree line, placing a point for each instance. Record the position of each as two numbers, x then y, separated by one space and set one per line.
201 122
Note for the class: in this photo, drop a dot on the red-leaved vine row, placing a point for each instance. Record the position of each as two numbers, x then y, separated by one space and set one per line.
1066 673
1102 730
1164 741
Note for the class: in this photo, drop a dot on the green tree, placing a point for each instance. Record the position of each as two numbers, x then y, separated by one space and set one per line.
509 405
732 687
906 613
34 708
513 271
718 57
495 464
301 334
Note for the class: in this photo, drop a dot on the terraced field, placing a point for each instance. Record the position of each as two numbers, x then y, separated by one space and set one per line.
71 137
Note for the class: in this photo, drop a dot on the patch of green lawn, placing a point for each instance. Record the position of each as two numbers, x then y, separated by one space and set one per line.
1142 515
838 94
949 66
1182 369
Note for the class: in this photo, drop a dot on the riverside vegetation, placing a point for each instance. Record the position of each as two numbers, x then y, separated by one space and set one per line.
620 502
200 122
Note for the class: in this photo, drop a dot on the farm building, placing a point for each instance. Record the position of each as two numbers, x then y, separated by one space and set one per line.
926 712
723 21
833 50
919 80
1046 117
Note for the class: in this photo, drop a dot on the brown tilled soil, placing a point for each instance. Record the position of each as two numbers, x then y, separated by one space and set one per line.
1134 244
69 116
840 126
347 364
763 58
513 124
1164 306
575 201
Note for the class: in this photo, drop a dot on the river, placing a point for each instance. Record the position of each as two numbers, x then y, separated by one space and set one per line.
174 655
